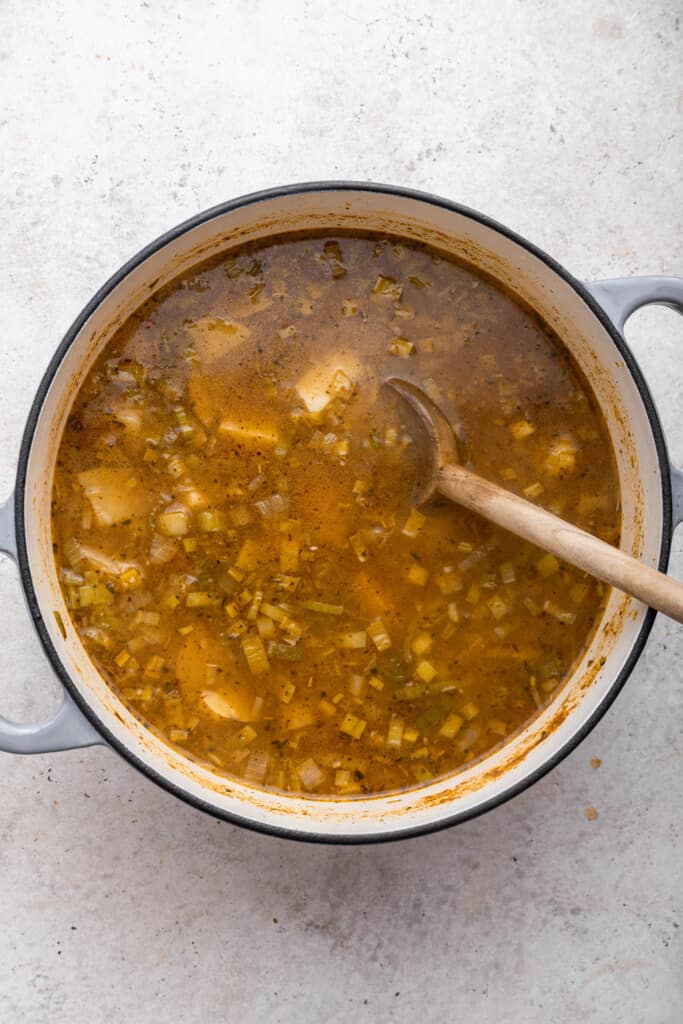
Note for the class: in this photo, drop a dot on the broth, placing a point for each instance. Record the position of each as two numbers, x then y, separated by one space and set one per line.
233 524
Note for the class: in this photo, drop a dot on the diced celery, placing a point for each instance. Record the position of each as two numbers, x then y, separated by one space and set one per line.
533 490
359 547
154 666
521 429
176 466
248 556
413 523
322 607
147 618
470 710
417 575
379 636
256 656
425 671
579 592
451 726
548 565
448 582
285 582
287 691
285 652
561 458
401 347
247 735
130 579
272 611
202 599
388 287
412 691
289 554
357 685
353 726
249 434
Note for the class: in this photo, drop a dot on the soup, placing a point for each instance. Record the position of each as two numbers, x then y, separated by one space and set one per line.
234 528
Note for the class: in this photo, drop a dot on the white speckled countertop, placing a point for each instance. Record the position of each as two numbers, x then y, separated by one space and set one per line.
562 121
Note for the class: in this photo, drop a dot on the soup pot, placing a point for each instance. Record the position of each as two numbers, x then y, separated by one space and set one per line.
589 318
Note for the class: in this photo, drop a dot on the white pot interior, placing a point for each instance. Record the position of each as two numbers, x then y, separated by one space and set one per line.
561 307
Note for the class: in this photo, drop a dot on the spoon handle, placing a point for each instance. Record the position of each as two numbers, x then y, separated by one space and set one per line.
562 539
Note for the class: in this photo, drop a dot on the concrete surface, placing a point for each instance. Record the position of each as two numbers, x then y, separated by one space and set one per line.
118 120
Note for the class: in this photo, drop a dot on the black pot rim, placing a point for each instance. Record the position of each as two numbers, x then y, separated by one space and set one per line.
25 449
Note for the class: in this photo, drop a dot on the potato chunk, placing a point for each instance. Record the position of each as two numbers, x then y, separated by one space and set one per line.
327 380
213 338
113 494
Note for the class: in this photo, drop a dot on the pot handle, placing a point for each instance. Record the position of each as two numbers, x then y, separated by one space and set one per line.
620 298
68 728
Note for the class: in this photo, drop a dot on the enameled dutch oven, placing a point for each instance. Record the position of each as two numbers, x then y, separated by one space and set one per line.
589 318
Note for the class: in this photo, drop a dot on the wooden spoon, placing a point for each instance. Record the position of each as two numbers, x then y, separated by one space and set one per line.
440 473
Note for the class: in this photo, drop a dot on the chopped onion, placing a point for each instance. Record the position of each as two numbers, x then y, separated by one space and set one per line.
310 774
162 549
395 734
497 606
566 618
256 766
275 505
354 641
174 521
421 644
